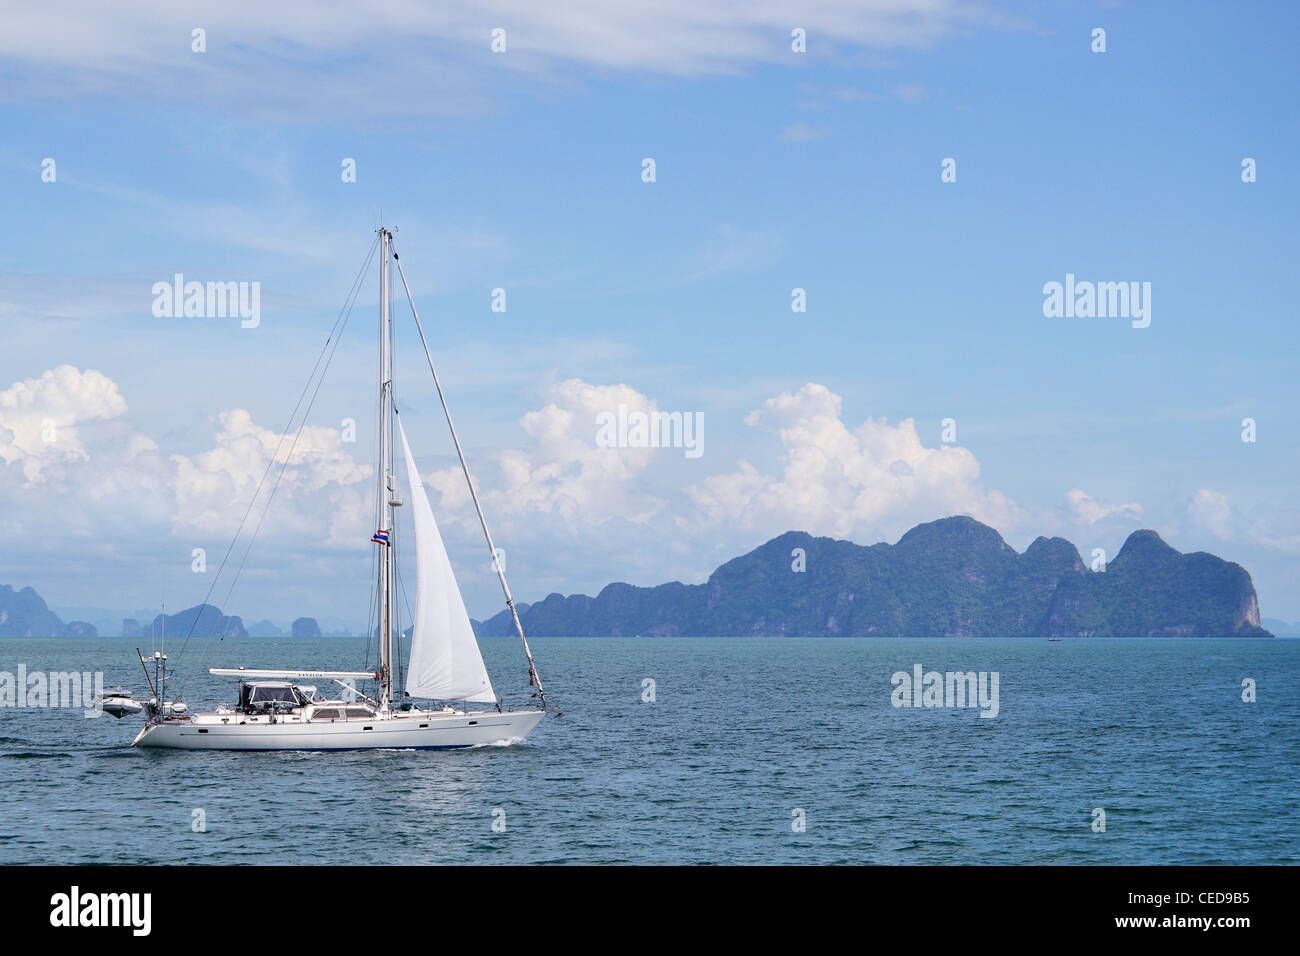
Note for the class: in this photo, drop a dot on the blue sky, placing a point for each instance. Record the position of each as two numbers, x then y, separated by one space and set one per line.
522 170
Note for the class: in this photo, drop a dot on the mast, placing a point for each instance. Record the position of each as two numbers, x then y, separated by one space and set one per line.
386 495
160 658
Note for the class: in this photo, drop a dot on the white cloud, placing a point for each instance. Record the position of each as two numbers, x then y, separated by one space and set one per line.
1210 511
406 58
573 515
565 474
1089 510
91 480
871 480
321 487
40 417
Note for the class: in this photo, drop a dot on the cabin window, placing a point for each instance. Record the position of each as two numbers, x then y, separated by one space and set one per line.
359 712
327 714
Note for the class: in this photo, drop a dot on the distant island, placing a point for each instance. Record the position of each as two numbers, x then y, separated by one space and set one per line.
24 613
954 577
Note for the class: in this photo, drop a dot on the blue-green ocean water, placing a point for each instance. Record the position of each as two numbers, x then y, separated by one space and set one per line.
741 734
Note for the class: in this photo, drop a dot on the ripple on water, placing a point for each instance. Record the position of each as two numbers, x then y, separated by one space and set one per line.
711 772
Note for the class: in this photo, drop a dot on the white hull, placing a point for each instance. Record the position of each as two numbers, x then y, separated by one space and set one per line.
418 730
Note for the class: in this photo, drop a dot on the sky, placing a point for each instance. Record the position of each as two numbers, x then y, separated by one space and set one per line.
920 170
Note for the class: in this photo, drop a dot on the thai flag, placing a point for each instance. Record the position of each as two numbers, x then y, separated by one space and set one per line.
380 537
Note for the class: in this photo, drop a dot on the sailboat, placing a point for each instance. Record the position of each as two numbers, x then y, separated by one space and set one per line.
283 709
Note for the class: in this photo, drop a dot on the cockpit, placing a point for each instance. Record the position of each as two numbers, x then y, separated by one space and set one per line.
270 697
282 697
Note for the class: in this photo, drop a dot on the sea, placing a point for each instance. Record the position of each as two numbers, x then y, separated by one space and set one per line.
701 751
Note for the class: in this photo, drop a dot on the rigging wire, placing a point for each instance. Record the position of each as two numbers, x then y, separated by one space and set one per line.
334 336
280 475
406 600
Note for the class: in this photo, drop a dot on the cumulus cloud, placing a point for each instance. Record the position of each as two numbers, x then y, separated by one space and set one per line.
1089 510
41 418
565 473
321 485
72 464
568 506
1212 512
837 480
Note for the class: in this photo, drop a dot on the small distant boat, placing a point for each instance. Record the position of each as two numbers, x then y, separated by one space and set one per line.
119 703
1053 640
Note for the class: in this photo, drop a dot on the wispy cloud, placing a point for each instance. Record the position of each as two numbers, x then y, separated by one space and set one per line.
734 249
312 59
800 133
